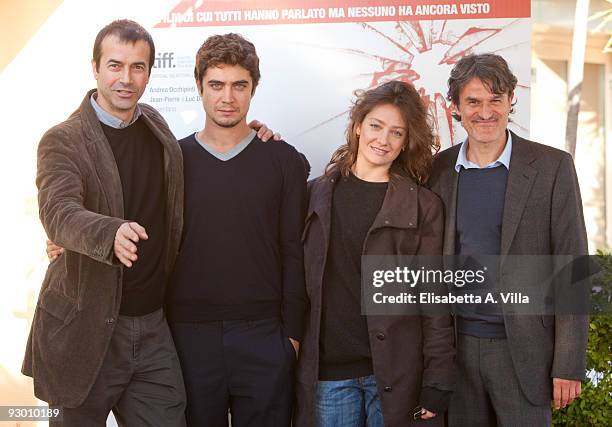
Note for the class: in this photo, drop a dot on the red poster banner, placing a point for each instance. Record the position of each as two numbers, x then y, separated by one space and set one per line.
200 13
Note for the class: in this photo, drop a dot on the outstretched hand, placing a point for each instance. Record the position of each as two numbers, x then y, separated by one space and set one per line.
126 238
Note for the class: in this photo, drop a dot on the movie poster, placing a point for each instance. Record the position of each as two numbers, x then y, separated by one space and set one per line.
315 54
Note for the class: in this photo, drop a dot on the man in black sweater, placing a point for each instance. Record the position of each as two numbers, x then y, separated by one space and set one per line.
111 193
237 301
110 184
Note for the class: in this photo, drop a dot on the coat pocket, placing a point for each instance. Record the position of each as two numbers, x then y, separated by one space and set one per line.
58 305
548 321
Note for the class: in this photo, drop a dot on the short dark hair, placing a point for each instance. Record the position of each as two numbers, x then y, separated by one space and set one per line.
230 49
420 143
126 31
490 68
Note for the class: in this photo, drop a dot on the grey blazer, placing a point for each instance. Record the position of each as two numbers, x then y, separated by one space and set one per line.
542 216
80 203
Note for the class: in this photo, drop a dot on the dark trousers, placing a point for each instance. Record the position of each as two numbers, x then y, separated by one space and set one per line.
488 392
244 366
140 379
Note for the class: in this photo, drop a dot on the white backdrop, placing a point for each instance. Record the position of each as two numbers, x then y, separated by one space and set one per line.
310 70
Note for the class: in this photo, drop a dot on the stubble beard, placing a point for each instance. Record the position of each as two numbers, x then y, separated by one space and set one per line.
228 125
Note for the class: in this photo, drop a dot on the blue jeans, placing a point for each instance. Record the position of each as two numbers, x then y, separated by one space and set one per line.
349 403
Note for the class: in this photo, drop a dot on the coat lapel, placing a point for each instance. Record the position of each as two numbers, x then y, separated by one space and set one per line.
520 180
173 179
170 178
447 190
321 205
105 163
448 186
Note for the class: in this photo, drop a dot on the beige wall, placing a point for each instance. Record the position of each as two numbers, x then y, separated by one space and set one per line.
19 20
551 53
41 82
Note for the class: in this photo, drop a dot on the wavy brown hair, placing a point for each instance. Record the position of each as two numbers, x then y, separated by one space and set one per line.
420 143
227 49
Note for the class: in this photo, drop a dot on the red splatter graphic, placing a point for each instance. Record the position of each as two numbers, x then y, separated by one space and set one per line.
416 40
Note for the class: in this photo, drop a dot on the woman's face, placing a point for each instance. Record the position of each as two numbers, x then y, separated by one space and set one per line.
381 136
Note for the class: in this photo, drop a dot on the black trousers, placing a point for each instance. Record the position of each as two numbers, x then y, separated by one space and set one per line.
245 367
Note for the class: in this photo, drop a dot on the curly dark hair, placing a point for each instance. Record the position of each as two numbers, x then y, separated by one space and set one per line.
420 144
230 49
491 69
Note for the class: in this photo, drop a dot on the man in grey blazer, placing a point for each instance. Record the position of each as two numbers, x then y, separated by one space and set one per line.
505 195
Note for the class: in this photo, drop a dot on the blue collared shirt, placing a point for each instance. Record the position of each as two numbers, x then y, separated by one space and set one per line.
504 158
110 120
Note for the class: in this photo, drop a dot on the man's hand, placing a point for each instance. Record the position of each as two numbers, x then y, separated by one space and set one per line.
53 251
127 235
263 132
425 414
565 391
296 346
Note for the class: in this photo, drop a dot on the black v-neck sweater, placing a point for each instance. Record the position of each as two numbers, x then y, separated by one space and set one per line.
241 256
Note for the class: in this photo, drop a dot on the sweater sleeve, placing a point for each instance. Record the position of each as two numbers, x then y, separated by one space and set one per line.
293 208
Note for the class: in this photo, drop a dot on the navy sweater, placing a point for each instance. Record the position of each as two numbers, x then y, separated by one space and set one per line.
480 210
241 256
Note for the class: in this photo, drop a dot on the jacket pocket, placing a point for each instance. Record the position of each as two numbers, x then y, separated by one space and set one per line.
548 321
58 305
